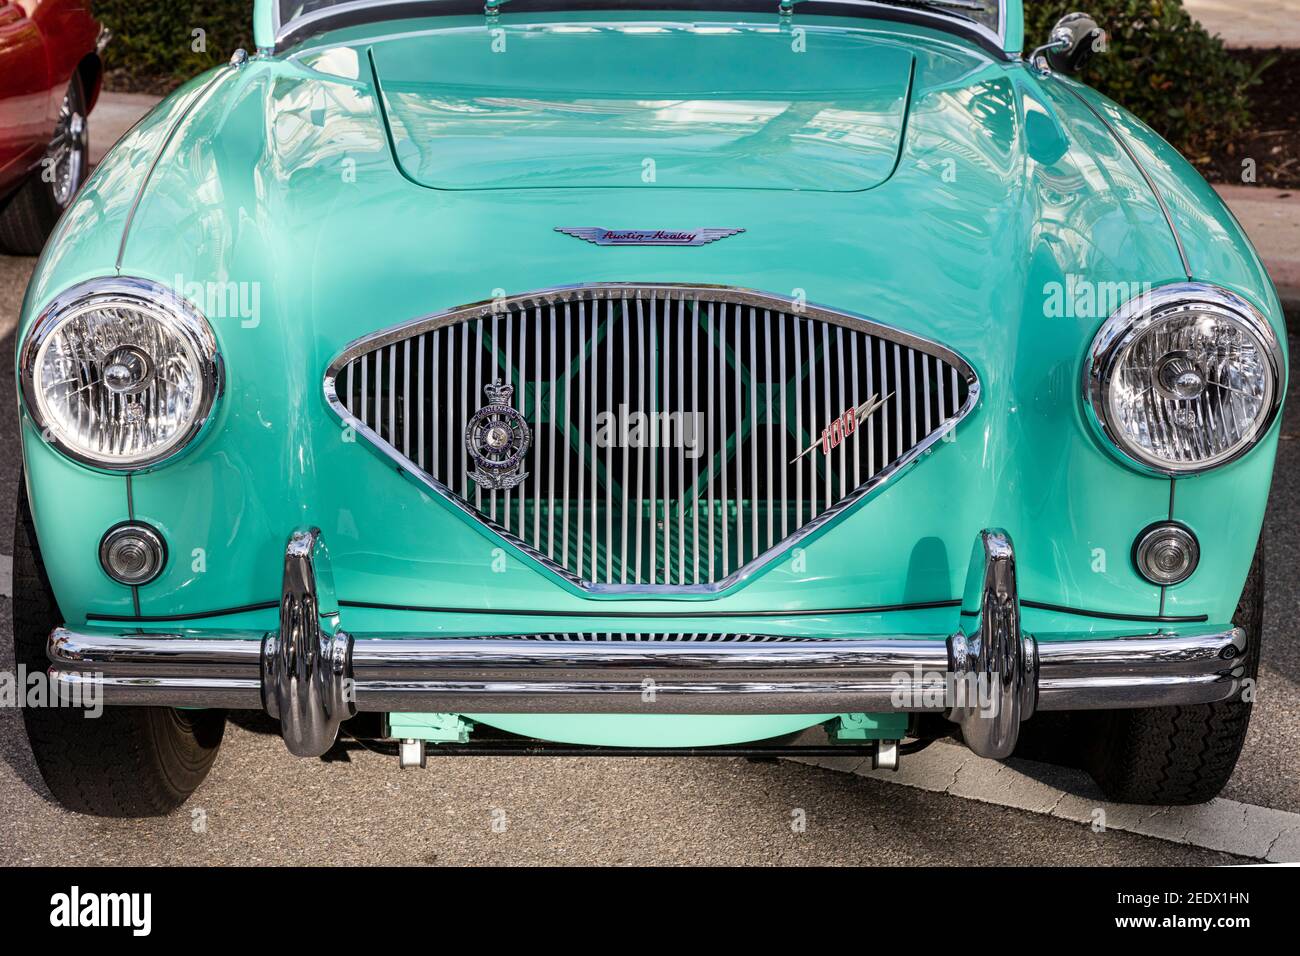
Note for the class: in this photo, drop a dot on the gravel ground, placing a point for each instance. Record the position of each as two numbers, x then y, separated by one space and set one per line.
261 806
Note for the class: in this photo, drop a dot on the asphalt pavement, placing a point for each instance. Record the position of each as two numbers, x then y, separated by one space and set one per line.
262 806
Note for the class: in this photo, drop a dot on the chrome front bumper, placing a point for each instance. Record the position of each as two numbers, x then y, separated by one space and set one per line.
311 674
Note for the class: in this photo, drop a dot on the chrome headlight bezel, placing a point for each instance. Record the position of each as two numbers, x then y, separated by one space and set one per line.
1129 322
163 304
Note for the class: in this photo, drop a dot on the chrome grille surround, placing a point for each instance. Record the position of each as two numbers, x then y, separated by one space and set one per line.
423 444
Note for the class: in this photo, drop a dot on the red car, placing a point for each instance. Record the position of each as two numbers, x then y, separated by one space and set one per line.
50 72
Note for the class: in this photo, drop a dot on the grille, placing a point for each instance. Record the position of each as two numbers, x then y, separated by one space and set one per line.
677 434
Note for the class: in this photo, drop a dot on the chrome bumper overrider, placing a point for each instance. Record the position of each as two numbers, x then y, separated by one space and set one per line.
312 675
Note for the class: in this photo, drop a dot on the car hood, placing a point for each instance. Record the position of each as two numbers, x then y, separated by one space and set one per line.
643 106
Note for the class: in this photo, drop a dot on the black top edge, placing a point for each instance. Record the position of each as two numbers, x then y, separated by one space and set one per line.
426 8
192 616
1114 616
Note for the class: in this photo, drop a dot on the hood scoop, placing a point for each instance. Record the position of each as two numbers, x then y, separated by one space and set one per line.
644 105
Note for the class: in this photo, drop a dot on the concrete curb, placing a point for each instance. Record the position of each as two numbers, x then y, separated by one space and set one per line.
1243 829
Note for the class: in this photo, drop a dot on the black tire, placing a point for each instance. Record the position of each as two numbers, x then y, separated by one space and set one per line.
1177 755
28 216
129 761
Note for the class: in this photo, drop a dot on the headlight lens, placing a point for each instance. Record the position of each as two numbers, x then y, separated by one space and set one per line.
1184 378
120 373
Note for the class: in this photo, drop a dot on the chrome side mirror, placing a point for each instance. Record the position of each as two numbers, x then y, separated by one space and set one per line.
1074 39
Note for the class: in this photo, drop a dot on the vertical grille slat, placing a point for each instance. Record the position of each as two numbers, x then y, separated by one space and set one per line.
755 496
681 459
538 448
379 392
464 402
657 462
564 445
627 481
365 386
857 459
392 394
769 417
516 401
722 440
419 390
406 398
638 518
609 446
844 445
911 390
579 505
676 435
884 390
553 446
813 417
831 409
713 429
801 437
522 391
695 403
478 390
785 457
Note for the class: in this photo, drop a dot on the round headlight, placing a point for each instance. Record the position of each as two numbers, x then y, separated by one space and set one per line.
120 373
1184 378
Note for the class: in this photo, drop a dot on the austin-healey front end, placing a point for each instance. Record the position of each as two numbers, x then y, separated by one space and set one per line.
732 378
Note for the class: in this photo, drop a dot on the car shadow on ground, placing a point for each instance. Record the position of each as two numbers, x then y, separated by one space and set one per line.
14 750
1282 543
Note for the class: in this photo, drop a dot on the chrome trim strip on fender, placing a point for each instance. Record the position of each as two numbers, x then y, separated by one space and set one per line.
199 97
1142 170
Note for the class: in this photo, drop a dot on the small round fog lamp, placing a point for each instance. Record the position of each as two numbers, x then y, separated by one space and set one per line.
1166 553
132 553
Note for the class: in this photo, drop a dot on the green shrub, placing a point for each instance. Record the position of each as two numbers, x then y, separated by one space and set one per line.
155 40
1162 65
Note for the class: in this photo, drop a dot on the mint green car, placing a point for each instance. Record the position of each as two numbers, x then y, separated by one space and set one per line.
628 377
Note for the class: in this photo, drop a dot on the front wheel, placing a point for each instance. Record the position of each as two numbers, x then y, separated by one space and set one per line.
28 217
1177 755
128 761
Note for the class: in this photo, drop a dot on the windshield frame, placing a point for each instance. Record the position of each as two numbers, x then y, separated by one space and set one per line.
275 35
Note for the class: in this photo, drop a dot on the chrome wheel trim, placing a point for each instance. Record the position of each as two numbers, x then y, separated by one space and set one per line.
67 152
